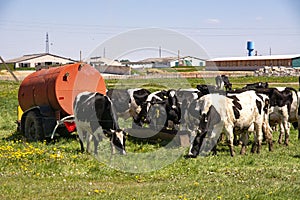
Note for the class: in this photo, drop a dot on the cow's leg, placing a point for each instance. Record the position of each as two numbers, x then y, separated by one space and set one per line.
268 135
81 135
192 138
298 125
97 138
236 139
230 137
258 136
89 138
284 130
244 139
281 127
210 139
255 143
214 150
96 143
287 133
81 146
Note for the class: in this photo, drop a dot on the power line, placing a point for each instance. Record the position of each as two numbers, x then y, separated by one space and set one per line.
190 33
101 26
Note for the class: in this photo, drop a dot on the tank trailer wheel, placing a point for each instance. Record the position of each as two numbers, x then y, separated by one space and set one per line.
34 127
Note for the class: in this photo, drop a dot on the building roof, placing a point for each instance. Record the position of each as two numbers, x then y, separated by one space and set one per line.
194 58
104 60
158 60
165 59
32 56
272 57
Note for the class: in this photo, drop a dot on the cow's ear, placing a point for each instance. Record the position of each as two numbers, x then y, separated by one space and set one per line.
108 133
124 132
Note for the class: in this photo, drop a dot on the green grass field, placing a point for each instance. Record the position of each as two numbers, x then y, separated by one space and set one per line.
57 170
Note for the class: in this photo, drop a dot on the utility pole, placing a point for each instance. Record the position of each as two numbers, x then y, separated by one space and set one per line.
159 51
179 61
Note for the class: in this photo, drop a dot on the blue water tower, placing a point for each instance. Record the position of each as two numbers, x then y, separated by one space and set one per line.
250 47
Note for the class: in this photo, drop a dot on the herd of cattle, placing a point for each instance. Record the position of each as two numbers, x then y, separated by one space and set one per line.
205 112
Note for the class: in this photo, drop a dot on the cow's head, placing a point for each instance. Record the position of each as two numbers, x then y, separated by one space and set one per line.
150 107
208 118
173 107
157 116
172 98
117 140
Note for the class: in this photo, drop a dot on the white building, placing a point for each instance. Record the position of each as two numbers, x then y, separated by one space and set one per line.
167 62
188 61
250 63
102 61
39 60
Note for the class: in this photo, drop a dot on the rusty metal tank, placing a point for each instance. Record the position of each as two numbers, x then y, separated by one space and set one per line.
57 87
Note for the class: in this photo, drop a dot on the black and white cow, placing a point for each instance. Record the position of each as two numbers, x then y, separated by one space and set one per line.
173 108
187 98
256 85
189 117
153 111
128 102
284 103
95 119
209 89
161 110
244 111
223 81
297 124
284 106
293 111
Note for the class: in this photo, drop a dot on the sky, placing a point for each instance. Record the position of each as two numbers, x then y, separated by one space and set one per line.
120 29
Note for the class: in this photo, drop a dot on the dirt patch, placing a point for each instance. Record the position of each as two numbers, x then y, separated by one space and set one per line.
5 75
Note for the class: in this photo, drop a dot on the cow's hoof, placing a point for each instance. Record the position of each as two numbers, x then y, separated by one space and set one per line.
189 156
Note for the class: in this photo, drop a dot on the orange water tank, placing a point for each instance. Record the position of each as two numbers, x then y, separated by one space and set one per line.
57 87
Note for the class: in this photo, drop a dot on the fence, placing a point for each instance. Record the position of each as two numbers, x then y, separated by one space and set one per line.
201 74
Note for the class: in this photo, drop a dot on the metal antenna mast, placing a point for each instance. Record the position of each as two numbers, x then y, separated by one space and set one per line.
47 43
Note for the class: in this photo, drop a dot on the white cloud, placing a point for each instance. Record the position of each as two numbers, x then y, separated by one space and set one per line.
213 21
